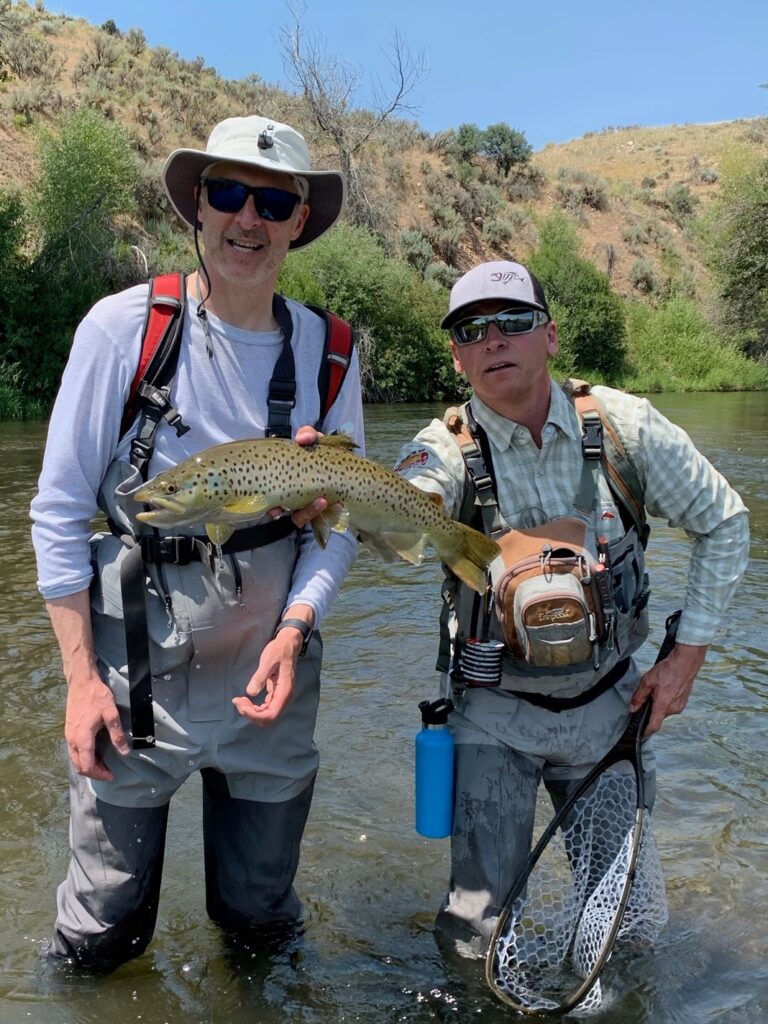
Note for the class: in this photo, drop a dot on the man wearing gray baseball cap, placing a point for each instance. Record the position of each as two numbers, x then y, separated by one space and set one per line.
180 658
564 478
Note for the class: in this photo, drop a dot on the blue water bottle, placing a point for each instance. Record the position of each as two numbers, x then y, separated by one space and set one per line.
434 770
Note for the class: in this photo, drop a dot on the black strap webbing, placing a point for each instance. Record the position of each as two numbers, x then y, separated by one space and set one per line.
540 700
282 387
137 650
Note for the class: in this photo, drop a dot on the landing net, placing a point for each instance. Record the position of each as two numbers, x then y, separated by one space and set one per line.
561 928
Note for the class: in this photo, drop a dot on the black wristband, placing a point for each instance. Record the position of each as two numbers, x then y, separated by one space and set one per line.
303 627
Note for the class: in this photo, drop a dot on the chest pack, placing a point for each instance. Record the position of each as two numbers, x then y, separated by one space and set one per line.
552 588
149 393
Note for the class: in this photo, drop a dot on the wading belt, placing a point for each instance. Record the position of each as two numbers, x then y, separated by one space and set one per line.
618 672
176 551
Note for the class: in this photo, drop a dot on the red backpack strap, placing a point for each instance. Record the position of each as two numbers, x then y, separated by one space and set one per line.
337 355
165 305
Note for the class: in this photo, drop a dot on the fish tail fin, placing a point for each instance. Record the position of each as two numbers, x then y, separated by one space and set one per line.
467 553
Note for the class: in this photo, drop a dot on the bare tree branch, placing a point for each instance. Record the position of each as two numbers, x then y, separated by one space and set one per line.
329 85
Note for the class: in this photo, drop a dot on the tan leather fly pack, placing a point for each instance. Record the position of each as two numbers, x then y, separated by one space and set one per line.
548 601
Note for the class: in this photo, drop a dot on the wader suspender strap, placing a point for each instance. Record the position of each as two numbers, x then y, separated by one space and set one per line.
150 389
132 587
622 476
337 355
282 387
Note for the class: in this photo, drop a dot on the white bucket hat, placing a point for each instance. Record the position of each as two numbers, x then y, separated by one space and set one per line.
256 142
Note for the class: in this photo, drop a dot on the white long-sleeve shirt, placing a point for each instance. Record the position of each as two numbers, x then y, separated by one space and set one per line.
221 398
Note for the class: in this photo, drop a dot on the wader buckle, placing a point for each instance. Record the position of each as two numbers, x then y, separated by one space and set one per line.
592 436
175 550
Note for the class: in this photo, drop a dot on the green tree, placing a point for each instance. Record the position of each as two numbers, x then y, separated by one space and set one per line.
87 177
505 146
735 242
469 138
403 353
85 184
589 316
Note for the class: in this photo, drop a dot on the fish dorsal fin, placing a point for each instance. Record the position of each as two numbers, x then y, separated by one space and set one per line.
250 504
436 498
338 441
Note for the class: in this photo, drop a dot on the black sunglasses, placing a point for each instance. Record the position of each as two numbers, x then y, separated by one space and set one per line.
509 322
228 196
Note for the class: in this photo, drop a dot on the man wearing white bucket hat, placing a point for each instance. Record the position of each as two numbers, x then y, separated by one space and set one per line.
179 659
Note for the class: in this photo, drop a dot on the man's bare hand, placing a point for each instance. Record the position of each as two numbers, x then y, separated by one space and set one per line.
669 684
301 516
274 677
91 708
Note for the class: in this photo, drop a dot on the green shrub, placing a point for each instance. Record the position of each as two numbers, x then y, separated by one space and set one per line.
643 277
505 146
468 141
672 347
440 276
85 181
497 232
348 271
734 234
524 182
575 189
136 41
415 249
589 315
680 202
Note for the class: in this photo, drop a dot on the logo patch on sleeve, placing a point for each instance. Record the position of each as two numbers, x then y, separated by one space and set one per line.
420 458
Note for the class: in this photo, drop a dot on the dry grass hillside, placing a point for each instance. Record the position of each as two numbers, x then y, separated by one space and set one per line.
634 193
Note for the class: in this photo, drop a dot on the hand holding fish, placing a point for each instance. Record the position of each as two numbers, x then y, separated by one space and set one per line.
303 516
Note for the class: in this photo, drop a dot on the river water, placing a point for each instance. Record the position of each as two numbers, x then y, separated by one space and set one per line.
371 885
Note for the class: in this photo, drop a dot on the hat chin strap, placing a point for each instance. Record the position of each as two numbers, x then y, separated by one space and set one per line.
201 311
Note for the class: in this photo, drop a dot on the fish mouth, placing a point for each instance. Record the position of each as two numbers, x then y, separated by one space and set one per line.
160 508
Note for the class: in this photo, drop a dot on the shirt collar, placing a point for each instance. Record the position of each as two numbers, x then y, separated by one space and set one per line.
500 429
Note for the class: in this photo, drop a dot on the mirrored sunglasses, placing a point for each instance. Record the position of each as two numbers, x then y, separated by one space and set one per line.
509 322
228 196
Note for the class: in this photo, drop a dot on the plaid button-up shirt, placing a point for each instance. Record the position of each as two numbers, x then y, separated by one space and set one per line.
536 485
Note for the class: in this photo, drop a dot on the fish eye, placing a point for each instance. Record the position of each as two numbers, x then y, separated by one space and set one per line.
170 488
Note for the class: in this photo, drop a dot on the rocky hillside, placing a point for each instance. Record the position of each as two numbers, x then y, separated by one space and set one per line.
634 193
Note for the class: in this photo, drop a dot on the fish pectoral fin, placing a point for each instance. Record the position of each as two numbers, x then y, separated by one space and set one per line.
250 505
219 533
393 546
338 441
334 519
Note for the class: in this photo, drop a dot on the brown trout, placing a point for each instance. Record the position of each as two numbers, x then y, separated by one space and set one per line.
235 483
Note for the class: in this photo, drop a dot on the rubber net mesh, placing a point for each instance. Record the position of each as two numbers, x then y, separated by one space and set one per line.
558 927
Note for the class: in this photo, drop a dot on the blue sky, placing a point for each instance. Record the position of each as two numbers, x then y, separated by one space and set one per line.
554 70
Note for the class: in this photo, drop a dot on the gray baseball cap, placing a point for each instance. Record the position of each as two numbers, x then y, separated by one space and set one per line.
499 279
262 143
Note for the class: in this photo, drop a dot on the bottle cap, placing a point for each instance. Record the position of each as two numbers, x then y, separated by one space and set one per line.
435 712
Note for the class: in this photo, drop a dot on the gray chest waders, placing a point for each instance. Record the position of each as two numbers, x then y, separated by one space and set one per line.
181 550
